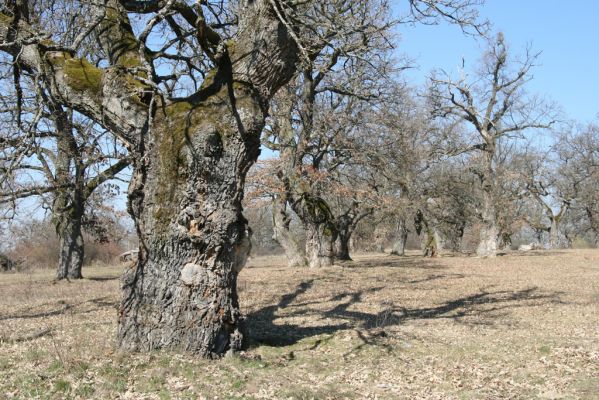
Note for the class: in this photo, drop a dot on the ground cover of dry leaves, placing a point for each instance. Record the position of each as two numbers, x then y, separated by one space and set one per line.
521 326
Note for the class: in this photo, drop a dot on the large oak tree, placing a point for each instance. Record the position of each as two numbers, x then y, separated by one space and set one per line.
186 86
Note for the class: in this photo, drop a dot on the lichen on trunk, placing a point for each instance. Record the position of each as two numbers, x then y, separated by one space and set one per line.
186 200
185 197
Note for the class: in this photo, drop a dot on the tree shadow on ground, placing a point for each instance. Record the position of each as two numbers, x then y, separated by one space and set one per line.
391 261
61 307
534 253
102 278
485 307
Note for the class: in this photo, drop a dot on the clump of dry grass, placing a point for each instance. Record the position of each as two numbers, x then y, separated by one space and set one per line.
519 326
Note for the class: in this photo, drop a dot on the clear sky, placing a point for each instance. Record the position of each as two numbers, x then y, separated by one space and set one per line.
566 32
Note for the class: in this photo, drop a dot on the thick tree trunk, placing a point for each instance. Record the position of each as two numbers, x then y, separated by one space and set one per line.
439 240
594 223
430 244
401 237
191 159
70 260
454 243
186 193
320 242
345 228
343 247
380 237
185 197
487 246
554 233
284 236
352 244
319 227
69 204
6 264
505 241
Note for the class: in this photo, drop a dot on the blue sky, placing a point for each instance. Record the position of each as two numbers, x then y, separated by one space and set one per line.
566 32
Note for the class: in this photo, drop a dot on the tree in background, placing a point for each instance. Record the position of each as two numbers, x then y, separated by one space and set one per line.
577 152
345 71
51 153
495 104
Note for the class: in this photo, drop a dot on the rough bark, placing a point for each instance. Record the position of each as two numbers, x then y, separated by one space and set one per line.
487 246
69 202
345 230
71 254
430 239
71 193
438 238
380 237
319 225
320 241
429 244
345 225
554 233
401 237
185 197
505 241
594 223
191 157
284 236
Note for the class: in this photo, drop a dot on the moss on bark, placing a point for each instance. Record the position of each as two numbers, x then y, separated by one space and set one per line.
5 19
83 76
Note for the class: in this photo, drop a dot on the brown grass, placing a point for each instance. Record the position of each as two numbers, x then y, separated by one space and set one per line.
381 327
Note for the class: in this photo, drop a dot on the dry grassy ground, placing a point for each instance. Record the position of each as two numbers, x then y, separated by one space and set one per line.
520 326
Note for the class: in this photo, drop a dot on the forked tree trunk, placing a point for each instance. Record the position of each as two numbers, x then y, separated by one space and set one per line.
284 236
320 242
191 159
401 238
186 193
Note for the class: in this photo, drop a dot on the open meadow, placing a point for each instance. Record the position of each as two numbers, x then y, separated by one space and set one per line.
521 326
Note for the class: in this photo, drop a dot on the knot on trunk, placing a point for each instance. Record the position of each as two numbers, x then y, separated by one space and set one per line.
194 274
